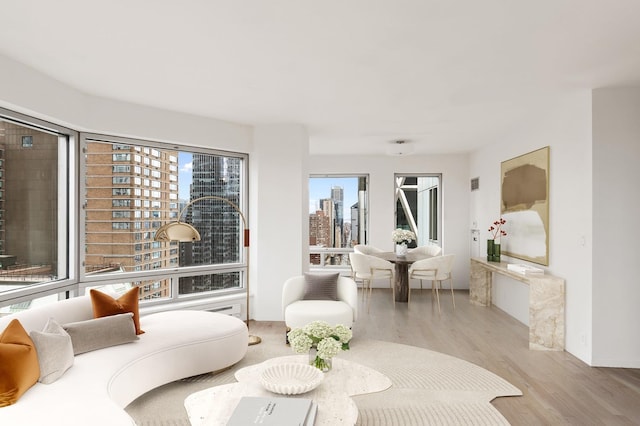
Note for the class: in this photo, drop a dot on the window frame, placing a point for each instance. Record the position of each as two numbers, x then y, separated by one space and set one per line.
172 273
321 251
439 208
71 223
68 207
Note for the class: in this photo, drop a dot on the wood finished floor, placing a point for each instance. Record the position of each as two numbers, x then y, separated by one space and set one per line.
558 388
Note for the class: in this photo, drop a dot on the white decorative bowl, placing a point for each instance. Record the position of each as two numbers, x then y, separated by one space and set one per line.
290 379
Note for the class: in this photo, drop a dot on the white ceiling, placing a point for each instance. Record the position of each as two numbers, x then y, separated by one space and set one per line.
445 75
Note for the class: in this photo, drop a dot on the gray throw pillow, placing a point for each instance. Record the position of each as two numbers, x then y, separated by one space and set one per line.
320 286
101 332
54 349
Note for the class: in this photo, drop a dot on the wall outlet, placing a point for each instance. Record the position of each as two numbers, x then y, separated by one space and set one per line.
583 339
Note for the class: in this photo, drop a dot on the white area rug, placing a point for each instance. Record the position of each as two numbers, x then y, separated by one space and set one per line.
429 388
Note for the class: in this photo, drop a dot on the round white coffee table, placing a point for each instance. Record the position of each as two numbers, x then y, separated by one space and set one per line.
214 406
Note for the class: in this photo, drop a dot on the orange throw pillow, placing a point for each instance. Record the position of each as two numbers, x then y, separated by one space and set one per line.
19 368
105 305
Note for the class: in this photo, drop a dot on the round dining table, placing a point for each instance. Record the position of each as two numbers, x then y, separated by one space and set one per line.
401 279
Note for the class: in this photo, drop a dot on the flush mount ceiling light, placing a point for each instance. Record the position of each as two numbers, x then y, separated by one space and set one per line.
400 147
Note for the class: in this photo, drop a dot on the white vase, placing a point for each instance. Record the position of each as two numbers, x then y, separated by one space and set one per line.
401 249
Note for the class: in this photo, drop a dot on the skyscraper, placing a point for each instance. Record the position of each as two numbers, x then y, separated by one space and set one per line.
319 233
319 229
129 191
355 225
218 223
28 201
328 208
337 196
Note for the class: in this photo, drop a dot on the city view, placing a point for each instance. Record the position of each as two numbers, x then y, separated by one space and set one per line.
149 187
337 218
129 192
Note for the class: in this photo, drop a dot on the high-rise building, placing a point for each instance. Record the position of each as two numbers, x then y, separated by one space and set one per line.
354 233
328 208
217 222
320 229
337 196
130 191
28 203
319 233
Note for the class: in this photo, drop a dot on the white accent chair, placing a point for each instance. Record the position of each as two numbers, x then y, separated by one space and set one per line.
367 268
435 269
298 312
428 250
366 249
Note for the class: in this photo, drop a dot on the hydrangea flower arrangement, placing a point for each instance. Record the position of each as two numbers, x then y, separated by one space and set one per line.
327 340
402 236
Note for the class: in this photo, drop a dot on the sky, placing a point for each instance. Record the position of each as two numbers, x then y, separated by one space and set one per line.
321 188
185 177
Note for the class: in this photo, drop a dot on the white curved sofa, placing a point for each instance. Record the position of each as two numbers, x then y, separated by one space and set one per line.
101 383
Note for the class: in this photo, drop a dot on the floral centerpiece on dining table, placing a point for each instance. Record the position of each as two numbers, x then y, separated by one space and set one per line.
321 341
402 238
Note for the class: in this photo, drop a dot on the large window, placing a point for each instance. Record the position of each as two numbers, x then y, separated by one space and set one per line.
338 216
418 206
125 204
80 211
34 184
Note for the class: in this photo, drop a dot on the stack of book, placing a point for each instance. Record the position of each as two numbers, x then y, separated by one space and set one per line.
523 269
274 411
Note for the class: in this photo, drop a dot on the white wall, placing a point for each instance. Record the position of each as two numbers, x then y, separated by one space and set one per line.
564 124
593 216
25 90
381 170
278 216
616 208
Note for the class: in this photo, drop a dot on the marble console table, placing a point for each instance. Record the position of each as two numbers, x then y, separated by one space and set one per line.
546 301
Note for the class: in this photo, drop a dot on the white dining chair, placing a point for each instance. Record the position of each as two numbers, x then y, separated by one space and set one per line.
427 250
435 269
366 269
367 249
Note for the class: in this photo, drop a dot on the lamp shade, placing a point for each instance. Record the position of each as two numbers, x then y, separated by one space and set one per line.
177 231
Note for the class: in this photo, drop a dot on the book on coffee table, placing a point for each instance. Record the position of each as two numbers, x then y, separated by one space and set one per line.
273 411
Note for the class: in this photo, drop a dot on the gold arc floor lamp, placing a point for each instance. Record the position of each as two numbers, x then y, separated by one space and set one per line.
185 233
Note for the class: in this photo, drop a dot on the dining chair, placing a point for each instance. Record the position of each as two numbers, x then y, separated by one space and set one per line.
428 250
435 269
367 249
365 268
360 271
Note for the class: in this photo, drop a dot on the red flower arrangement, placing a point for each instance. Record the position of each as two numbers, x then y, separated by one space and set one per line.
496 229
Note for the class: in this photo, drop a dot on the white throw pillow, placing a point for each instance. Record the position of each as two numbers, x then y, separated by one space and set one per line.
54 349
